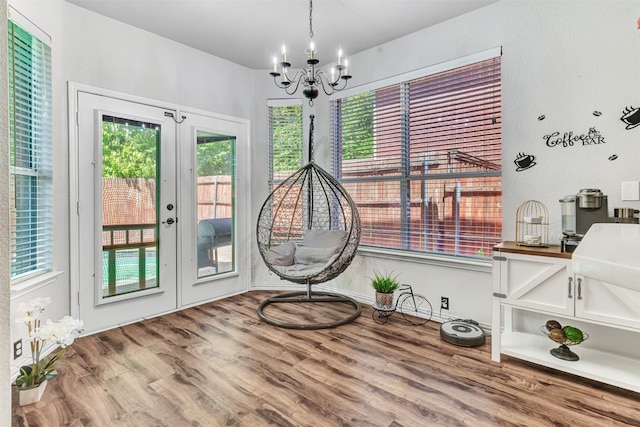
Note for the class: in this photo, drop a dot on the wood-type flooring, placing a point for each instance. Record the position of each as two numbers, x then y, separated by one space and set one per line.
218 364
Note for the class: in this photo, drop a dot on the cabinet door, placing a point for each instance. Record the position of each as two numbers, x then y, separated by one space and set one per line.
537 282
604 302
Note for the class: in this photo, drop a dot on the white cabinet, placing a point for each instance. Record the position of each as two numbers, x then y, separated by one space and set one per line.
604 302
531 286
535 282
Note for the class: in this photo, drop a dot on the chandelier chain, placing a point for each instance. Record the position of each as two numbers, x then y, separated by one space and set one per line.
310 19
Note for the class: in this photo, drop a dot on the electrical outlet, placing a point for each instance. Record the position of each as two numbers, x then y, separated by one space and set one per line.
17 349
444 303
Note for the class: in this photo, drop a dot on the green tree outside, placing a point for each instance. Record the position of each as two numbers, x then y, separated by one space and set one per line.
358 142
287 138
129 151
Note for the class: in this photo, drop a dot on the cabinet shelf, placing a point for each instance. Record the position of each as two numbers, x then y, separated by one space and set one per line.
603 366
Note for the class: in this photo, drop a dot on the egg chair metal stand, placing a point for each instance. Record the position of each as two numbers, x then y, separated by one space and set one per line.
308 232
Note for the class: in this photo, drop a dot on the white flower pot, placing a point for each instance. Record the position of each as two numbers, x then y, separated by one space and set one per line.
384 301
32 395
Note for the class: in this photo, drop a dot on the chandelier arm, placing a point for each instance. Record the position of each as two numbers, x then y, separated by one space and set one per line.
296 78
336 86
320 79
326 77
281 86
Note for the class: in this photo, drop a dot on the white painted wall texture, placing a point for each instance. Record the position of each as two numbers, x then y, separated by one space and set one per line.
5 272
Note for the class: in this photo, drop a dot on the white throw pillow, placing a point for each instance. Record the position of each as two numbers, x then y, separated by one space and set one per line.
325 239
281 255
306 256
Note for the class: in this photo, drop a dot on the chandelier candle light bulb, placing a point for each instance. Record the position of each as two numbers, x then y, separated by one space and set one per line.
312 50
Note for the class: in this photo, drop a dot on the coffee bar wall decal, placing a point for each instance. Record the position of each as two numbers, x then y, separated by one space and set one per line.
631 117
524 162
569 139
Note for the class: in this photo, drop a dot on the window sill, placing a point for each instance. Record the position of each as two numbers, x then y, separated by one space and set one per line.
23 288
448 261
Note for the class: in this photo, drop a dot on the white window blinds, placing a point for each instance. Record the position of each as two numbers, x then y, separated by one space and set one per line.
30 140
422 160
285 140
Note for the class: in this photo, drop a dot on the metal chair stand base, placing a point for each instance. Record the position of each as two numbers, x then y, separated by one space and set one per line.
309 297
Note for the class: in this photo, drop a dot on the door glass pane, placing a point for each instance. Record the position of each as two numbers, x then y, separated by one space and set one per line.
129 209
215 189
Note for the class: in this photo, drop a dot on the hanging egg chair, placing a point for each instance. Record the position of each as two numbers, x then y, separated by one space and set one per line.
308 233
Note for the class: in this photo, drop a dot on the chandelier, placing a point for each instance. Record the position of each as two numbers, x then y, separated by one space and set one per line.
309 77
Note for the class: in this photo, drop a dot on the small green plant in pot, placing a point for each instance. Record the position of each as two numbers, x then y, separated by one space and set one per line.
385 285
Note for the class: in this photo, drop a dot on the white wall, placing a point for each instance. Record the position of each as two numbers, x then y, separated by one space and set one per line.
5 271
562 59
90 49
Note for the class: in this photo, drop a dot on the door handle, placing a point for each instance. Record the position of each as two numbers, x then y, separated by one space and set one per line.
569 286
579 288
169 221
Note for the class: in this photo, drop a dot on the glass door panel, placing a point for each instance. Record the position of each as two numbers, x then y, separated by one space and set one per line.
215 202
130 152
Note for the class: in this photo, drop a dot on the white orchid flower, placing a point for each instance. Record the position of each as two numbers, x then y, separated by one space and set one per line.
33 308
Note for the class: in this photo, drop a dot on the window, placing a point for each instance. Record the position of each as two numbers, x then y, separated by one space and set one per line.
422 159
30 142
285 140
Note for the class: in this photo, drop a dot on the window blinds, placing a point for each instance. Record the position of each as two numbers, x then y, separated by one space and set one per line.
422 160
30 140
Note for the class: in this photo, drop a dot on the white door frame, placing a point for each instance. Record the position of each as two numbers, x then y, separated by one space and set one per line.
243 237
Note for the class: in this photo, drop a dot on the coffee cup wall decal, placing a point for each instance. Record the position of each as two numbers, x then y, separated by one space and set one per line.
524 161
631 117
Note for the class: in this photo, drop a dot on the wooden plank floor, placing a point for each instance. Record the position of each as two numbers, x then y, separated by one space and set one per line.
219 365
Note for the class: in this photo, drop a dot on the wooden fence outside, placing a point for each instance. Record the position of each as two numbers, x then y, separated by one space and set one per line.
446 215
132 201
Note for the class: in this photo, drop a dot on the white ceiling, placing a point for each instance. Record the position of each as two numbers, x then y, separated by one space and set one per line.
251 32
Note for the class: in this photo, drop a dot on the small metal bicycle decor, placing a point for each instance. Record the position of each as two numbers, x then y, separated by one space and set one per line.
415 308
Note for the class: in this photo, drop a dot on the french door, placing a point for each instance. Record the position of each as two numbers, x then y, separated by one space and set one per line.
214 209
126 211
159 209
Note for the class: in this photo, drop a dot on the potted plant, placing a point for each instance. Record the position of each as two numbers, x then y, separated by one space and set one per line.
385 285
33 378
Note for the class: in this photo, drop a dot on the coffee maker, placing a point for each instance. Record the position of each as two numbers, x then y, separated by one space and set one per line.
579 212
